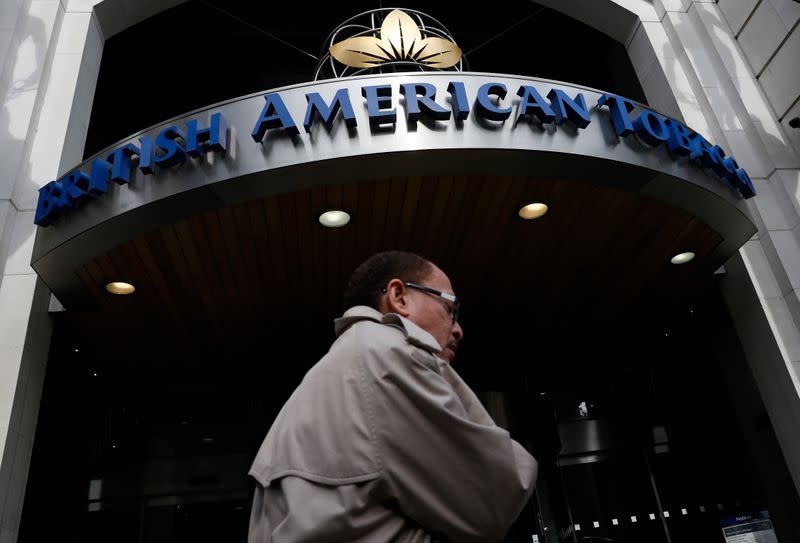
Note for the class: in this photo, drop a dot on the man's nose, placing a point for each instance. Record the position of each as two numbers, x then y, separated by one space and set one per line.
458 332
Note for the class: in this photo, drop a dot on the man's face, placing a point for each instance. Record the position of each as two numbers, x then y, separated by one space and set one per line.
433 314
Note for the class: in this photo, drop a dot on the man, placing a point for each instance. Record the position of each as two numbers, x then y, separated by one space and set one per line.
383 441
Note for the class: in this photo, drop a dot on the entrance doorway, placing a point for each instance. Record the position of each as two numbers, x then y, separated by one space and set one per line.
655 434
620 371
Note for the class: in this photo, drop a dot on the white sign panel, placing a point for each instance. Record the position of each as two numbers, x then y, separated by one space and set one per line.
753 528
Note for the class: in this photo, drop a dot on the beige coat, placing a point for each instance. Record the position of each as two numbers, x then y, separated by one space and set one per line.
383 441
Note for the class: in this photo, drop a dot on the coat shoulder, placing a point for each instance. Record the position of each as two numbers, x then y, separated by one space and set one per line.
383 345
323 432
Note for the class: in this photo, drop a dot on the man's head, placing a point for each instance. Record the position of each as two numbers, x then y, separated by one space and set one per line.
382 282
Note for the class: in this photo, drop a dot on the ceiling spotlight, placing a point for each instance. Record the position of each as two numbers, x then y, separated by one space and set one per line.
334 218
532 211
682 258
119 287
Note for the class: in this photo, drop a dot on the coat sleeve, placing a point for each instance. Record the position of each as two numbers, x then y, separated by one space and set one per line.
459 476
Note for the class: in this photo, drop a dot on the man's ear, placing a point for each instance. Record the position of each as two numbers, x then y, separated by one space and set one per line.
397 298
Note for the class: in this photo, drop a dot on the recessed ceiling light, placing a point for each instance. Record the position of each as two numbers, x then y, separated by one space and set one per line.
682 258
533 211
334 218
119 287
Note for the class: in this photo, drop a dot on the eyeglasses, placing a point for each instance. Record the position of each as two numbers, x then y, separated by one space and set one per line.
453 310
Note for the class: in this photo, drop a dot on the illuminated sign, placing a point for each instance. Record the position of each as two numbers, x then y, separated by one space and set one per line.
492 104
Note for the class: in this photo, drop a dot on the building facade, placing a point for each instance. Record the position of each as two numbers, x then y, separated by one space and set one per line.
727 69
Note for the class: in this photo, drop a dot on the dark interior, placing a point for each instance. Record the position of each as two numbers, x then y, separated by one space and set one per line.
659 417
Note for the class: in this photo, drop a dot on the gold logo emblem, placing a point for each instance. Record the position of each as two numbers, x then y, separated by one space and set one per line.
400 41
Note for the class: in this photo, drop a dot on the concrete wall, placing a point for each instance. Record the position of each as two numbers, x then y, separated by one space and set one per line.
49 58
721 64
50 52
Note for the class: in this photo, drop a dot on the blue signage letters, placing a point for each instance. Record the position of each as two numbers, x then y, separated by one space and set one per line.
422 97
172 152
620 112
318 108
566 108
171 145
146 155
532 103
165 150
274 115
213 138
120 159
379 100
484 105
653 129
678 142
458 95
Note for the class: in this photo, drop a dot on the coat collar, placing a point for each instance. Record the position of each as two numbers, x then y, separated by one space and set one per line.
414 334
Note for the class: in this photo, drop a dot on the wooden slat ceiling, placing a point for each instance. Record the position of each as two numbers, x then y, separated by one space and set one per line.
254 272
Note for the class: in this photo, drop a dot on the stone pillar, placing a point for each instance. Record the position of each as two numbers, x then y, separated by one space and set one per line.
50 52
719 76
